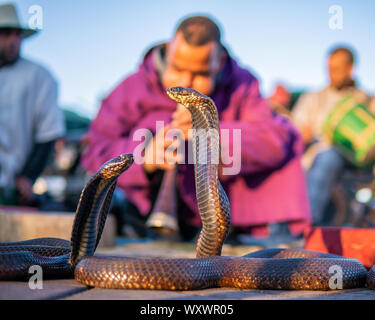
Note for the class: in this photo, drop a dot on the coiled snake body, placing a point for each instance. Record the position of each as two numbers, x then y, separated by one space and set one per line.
265 269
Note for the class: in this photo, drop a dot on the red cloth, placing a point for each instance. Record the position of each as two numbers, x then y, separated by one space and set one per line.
280 97
358 243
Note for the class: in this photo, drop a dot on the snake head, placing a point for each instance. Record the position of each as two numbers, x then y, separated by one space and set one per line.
113 168
186 96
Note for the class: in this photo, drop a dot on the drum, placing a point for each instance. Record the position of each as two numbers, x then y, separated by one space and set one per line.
351 127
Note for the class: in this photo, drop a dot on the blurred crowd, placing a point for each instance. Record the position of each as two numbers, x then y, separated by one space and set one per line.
306 157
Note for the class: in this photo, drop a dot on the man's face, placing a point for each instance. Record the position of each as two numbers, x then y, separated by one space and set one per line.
10 41
340 69
192 66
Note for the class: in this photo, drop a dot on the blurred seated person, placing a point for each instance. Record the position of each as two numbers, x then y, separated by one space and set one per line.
270 186
324 162
30 120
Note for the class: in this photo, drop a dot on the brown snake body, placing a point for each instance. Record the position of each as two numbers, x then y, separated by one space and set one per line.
265 269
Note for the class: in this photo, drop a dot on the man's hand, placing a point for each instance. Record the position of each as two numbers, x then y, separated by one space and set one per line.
156 155
181 119
307 134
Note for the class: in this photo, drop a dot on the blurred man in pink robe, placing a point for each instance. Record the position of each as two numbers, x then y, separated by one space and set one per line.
269 190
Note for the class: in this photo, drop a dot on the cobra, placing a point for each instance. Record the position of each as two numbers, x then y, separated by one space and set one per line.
265 269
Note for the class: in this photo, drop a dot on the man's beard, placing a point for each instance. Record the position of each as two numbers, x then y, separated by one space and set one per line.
345 84
7 57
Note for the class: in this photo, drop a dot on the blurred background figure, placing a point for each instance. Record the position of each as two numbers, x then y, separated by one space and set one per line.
267 197
30 119
280 100
323 159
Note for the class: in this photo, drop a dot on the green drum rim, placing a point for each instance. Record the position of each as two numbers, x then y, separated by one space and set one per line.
351 127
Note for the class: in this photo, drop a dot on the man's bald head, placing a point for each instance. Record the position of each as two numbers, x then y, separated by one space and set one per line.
345 51
199 30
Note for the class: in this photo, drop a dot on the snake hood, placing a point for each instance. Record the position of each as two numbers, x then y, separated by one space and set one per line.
113 168
93 207
187 96
202 108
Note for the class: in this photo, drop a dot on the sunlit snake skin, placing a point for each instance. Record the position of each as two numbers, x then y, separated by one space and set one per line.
265 269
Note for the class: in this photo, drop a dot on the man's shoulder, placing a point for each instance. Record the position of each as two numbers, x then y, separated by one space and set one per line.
132 83
143 80
313 94
35 69
242 74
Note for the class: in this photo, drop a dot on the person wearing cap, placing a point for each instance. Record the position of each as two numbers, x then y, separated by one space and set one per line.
30 119
269 189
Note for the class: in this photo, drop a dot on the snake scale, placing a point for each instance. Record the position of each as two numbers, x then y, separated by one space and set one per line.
264 269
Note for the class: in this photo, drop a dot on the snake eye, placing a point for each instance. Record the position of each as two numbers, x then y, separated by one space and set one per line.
184 96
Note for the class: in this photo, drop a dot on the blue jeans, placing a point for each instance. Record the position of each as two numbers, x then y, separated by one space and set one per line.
321 179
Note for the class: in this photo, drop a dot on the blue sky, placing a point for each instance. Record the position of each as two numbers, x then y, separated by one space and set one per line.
91 45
